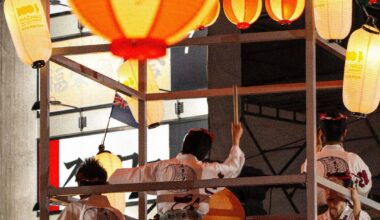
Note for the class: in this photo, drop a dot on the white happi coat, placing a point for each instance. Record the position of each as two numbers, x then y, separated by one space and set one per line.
183 167
347 214
333 158
93 207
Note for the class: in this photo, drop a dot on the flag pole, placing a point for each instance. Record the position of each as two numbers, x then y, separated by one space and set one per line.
101 146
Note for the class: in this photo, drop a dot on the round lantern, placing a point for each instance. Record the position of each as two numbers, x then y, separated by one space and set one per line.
141 29
285 11
211 16
224 205
128 75
110 163
333 18
361 83
29 31
242 13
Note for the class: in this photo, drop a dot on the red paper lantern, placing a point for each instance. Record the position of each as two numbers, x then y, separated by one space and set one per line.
211 17
242 13
141 29
285 11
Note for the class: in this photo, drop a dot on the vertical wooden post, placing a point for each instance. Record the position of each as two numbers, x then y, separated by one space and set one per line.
235 98
43 169
311 106
142 133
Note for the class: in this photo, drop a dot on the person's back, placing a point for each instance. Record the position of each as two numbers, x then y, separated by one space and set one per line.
332 158
92 206
185 166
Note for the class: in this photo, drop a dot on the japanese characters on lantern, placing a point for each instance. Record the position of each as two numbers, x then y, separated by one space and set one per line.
361 83
29 31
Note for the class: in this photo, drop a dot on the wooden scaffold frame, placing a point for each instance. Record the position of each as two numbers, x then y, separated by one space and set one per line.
310 86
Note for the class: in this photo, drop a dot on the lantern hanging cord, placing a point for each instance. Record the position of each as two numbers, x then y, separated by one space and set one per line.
370 19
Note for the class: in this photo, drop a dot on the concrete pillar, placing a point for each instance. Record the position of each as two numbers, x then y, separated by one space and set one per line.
224 70
18 149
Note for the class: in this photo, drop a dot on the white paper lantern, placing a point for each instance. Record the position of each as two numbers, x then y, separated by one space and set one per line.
110 163
361 84
129 75
29 30
333 18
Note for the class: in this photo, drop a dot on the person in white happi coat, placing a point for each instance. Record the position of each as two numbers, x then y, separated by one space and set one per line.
340 208
332 158
188 165
94 206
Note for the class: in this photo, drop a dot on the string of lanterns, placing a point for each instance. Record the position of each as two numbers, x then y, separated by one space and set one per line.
153 25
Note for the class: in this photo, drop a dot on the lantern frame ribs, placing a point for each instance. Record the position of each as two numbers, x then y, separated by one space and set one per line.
310 87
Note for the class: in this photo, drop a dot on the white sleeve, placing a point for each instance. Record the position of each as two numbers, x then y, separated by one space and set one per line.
230 168
69 213
364 216
362 176
146 173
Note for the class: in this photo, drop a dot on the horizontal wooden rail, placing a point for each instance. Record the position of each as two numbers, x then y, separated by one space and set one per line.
345 193
249 90
210 183
96 76
278 217
244 38
197 41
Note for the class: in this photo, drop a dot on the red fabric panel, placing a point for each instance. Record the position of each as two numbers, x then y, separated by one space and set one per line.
54 167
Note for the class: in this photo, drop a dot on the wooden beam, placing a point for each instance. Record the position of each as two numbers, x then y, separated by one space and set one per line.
249 90
44 145
198 41
243 38
173 185
84 49
346 194
333 48
43 153
142 77
311 112
96 76
278 217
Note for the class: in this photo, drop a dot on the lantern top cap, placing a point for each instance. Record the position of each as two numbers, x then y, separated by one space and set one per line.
370 25
370 29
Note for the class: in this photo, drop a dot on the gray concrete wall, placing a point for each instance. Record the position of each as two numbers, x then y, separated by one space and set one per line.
224 70
18 152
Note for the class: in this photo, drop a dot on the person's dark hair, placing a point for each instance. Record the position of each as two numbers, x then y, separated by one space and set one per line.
198 143
91 173
333 125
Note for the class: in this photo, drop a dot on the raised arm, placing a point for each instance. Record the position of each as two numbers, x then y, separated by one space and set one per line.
232 166
146 173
